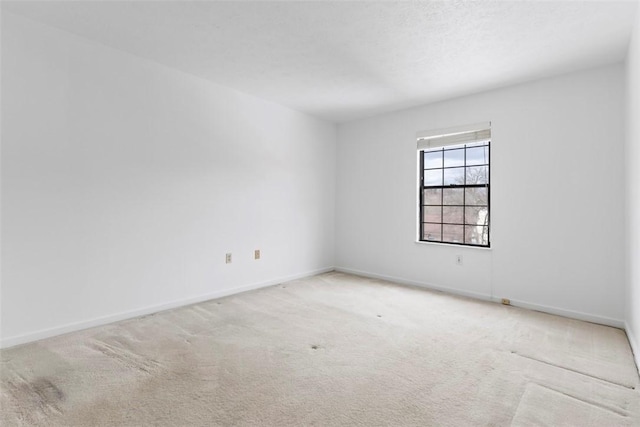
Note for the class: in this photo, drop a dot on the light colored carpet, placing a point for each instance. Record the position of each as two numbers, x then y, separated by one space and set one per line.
333 349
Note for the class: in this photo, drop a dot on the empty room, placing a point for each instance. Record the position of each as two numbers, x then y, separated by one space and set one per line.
332 213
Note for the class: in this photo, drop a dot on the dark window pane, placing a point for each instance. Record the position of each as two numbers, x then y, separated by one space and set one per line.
452 233
477 156
432 213
476 235
477 196
433 177
477 215
432 159
453 158
452 214
477 175
453 196
432 232
454 176
431 196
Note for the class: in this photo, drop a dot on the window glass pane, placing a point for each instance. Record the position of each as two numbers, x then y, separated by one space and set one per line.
433 177
453 158
477 175
477 156
454 176
432 159
476 235
476 196
452 196
431 232
452 233
432 213
452 214
477 215
431 196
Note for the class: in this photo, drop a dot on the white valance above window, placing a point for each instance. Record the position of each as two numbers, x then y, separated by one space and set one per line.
454 136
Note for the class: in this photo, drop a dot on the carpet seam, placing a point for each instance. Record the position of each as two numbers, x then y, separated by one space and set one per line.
574 371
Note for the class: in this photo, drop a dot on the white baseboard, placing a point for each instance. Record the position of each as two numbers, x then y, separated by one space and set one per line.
103 320
403 281
617 323
634 345
578 315
99 321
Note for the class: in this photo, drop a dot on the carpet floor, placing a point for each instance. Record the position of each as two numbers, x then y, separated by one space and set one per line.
332 349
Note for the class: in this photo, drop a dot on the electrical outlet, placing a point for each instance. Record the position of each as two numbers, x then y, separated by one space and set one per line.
228 258
458 259
256 254
506 301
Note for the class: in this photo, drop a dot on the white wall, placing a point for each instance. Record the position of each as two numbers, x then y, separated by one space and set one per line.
632 157
0 185
556 197
124 183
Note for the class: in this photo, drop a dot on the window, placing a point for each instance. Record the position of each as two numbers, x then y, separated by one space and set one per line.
454 186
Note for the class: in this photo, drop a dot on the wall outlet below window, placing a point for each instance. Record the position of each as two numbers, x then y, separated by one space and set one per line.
227 258
458 259
256 254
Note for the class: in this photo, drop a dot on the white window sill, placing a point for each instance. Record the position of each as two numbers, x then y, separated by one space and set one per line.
420 242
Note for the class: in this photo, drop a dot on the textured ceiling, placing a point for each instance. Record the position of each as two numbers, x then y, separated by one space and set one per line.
346 60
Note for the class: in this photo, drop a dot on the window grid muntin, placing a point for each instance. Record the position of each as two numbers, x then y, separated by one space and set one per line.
464 186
